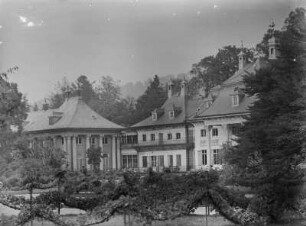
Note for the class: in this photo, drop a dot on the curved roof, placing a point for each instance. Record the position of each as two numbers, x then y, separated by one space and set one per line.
223 103
73 114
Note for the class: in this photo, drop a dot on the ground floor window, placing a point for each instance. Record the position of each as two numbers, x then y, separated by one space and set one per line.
170 160
178 160
153 161
129 161
144 161
204 157
161 160
217 157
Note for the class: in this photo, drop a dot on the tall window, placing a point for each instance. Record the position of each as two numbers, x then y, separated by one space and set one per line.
204 157
104 140
153 161
144 161
217 157
161 160
152 137
63 140
129 161
178 160
178 136
203 132
169 136
144 137
78 140
92 140
214 132
170 160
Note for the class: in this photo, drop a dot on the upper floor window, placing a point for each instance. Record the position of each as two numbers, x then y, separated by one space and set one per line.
152 137
92 140
178 136
144 137
104 140
215 132
154 116
169 136
78 140
171 114
203 132
63 140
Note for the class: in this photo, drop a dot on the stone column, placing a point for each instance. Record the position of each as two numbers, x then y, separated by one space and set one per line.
74 153
87 145
102 151
64 145
69 152
118 153
209 154
113 152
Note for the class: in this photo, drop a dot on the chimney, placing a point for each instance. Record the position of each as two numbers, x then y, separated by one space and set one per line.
184 88
170 89
241 58
45 106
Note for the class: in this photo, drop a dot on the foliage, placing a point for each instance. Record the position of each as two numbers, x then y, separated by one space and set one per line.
213 70
154 96
41 212
7 220
271 145
13 111
94 155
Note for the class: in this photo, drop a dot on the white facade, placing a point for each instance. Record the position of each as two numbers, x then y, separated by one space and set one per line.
210 138
158 148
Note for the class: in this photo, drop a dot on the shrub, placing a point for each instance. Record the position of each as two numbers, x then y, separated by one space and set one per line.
13 182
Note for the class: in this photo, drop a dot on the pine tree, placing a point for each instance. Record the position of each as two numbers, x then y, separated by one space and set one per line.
271 145
154 96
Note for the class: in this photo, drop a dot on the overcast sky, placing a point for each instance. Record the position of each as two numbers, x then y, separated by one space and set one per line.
130 40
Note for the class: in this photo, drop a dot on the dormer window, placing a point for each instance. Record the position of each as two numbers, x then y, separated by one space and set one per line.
171 114
237 97
154 116
235 100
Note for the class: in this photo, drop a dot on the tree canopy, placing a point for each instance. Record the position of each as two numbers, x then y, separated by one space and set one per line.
271 144
213 70
154 96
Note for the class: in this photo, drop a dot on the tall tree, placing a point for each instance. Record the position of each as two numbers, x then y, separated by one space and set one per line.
271 144
84 88
108 92
154 96
213 70
13 111
57 98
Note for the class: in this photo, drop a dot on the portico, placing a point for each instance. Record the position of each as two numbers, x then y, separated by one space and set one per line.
74 128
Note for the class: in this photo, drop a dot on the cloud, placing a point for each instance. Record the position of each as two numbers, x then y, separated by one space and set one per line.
29 23
23 19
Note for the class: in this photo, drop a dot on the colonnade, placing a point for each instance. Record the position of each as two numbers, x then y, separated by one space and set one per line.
72 144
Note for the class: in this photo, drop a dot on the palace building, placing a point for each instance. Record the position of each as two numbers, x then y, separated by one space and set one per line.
74 127
183 134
